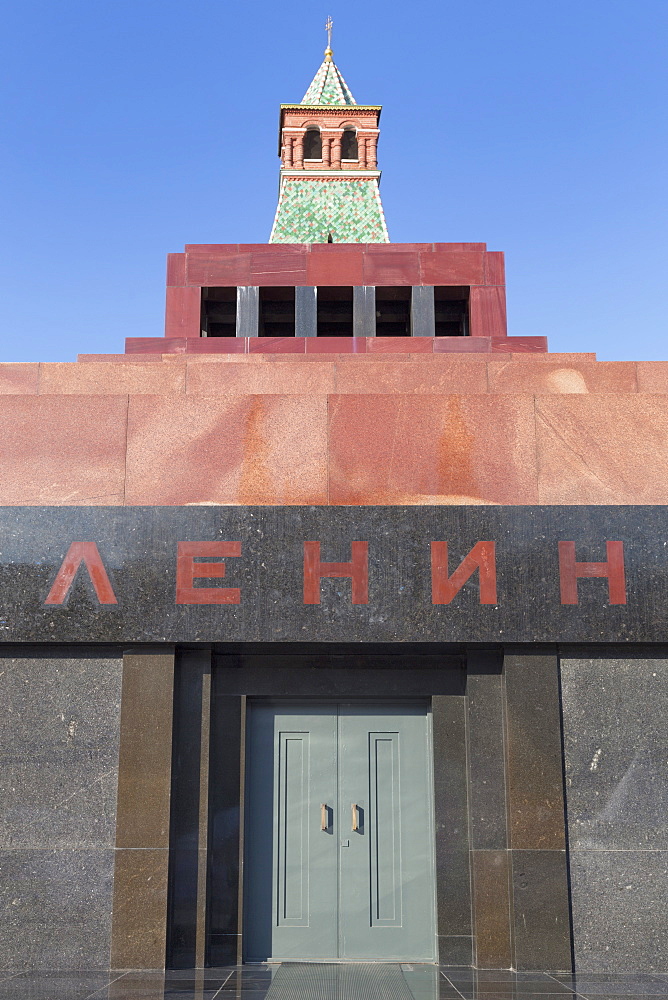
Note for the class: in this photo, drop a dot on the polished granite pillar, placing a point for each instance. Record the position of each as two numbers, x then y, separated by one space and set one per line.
139 927
453 879
540 923
188 839
226 806
518 836
490 860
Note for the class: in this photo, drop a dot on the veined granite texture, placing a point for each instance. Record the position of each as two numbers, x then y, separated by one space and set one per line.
377 427
58 775
55 908
620 919
616 748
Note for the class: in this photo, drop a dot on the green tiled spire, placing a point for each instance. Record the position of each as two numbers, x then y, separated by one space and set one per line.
328 86
334 197
311 210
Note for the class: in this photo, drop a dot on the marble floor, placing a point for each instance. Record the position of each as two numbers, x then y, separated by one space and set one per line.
294 981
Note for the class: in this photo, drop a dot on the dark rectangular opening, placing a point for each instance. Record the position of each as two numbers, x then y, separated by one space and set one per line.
451 310
335 311
277 312
393 311
219 312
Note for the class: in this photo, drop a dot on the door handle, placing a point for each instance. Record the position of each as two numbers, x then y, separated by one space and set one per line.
323 817
355 817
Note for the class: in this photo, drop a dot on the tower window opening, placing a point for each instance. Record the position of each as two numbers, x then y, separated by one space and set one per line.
277 312
451 311
219 312
393 311
335 311
349 149
313 144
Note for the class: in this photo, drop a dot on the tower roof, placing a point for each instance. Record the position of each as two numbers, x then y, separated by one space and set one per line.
346 210
328 86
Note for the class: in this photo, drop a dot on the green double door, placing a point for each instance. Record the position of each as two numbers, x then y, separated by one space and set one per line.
339 839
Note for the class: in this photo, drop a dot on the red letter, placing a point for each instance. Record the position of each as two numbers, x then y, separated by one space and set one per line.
86 553
482 557
570 570
187 571
357 569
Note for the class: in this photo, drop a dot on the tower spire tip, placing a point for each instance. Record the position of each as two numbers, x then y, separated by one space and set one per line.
329 24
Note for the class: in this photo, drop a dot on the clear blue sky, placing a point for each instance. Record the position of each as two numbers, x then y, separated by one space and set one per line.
131 127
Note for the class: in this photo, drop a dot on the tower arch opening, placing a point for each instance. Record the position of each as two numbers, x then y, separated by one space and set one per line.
349 147
313 143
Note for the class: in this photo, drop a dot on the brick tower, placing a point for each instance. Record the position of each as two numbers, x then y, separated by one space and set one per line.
329 188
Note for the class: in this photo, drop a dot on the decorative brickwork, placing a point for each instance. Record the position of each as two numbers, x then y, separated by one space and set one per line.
321 210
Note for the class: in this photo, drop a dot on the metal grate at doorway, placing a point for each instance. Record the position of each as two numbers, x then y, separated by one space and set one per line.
301 981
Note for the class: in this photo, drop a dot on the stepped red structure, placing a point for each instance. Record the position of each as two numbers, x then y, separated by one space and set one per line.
467 272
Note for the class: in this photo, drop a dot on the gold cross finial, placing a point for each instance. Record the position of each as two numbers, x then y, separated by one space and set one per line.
329 24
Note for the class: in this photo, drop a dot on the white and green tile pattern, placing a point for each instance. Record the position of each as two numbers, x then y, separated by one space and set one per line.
310 210
328 87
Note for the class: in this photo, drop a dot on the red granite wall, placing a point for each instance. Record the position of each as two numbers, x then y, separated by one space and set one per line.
371 428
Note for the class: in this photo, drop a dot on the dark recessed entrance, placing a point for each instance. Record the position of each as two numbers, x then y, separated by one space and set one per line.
277 312
335 311
219 312
241 790
451 311
393 311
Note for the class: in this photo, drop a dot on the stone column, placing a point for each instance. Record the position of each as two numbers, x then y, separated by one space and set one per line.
189 829
423 320
361 150
326 151
226 807
538 867
453 877
371 148
488 830
248 311
287 151
298 156
364 311
336 152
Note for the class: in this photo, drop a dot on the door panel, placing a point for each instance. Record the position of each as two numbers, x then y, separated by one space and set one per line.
293 832
387 872
362 887
290 873
384 830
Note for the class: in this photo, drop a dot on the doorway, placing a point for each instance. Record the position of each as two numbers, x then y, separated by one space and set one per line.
339 838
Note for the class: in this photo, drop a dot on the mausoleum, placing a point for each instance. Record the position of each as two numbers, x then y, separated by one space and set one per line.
334 622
